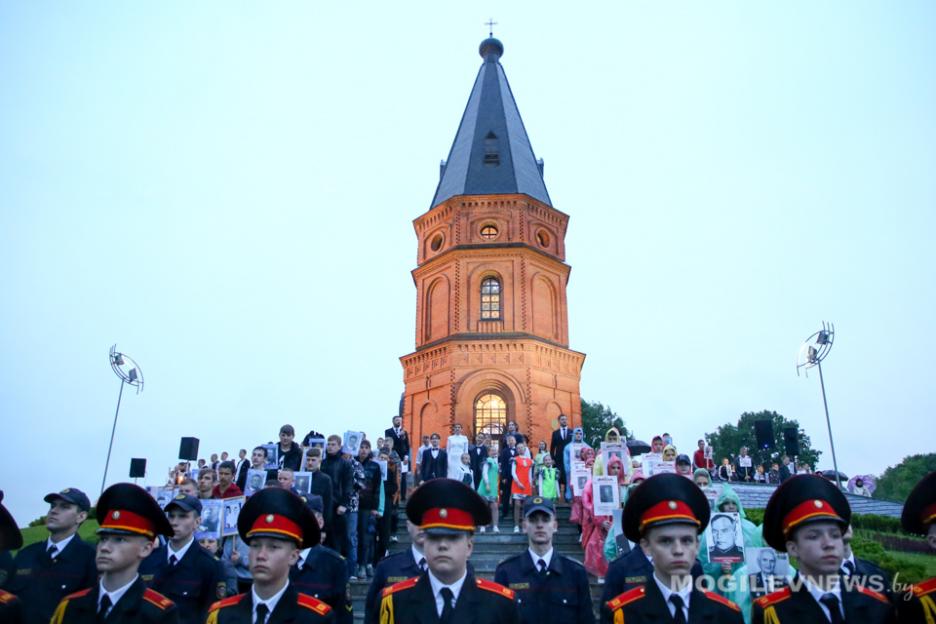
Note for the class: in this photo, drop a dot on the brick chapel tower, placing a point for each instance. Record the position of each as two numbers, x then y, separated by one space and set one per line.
492 327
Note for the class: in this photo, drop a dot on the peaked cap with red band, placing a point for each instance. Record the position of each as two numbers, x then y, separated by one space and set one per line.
919 510
446 506
664 499
799 501
128 509
278 513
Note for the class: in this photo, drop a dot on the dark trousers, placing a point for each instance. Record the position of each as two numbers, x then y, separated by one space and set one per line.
385 525
366 533
337 539
505 496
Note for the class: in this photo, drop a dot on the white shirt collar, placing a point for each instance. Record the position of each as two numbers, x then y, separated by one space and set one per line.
115 595
437 586
417 555
547 558
303 555
59 545
270 602
178 553
817 593
683 593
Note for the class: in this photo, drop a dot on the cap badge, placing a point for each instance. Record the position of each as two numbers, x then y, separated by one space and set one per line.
672 504
818 504
115 515
443 513
66 491
179 496
269 519
537 501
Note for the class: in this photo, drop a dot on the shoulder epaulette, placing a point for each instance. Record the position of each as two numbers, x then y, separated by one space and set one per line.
78 594
721 600
226 602
774 598
873 594
624 599
6 597
402 585
314 604
157 599
925 587
496 588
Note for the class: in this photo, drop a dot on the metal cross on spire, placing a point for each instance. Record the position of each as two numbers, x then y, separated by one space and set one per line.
490 24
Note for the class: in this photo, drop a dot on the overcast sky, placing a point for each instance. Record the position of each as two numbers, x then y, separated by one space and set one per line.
226 190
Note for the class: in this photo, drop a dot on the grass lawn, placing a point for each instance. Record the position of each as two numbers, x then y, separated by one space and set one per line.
927 561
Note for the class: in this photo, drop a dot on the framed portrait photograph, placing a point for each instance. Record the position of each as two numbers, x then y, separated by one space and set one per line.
232 507
256 480
352 441
162 493
212 510
606 495
724 538
383 468
272 456
765 560
580 476
302 481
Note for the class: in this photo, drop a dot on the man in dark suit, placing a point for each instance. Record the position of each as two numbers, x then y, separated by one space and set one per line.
401 445
807 517
434 463
506 479
479 454
665 515
321 485
47 571
560 439
448 511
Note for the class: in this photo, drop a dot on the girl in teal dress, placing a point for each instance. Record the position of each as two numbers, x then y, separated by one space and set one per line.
549 479
488 485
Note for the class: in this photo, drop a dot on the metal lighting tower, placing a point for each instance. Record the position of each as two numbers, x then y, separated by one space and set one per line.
813 350
130 374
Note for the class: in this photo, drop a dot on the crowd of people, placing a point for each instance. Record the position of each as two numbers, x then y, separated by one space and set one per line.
349 491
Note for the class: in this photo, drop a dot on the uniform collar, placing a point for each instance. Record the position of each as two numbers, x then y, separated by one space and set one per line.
817 593
270 602
115 595
436 585
535 558
303 555
683 593
178 553
60 546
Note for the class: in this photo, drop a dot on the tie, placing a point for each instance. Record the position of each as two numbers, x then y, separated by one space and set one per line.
447 598
563 434
105 608
542 566
832 604
678 617
849 568
262 612
173 560
422 564
53 550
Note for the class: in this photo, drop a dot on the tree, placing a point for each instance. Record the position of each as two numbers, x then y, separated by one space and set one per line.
597 419
728 440
897 481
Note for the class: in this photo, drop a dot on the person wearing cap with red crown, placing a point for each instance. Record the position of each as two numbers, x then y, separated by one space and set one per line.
919 517
130 520
11 609
47 571
447 512
665 514
807 517
276 524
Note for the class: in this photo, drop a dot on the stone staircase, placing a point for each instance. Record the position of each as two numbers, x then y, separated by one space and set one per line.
489 550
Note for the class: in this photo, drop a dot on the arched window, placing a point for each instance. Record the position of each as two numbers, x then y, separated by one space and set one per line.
490 416
490 299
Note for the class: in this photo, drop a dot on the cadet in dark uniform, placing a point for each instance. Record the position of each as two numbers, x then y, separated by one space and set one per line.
47 571
631 570
11 609
182 570
665 515
550 588
130 521
322 572
919 517
448 511
276 524
807 517
393 569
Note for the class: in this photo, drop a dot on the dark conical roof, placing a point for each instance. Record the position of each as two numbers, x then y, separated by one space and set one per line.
491 152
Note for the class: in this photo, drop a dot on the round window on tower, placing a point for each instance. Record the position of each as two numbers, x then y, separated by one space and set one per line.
542 237
489 232
436 243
